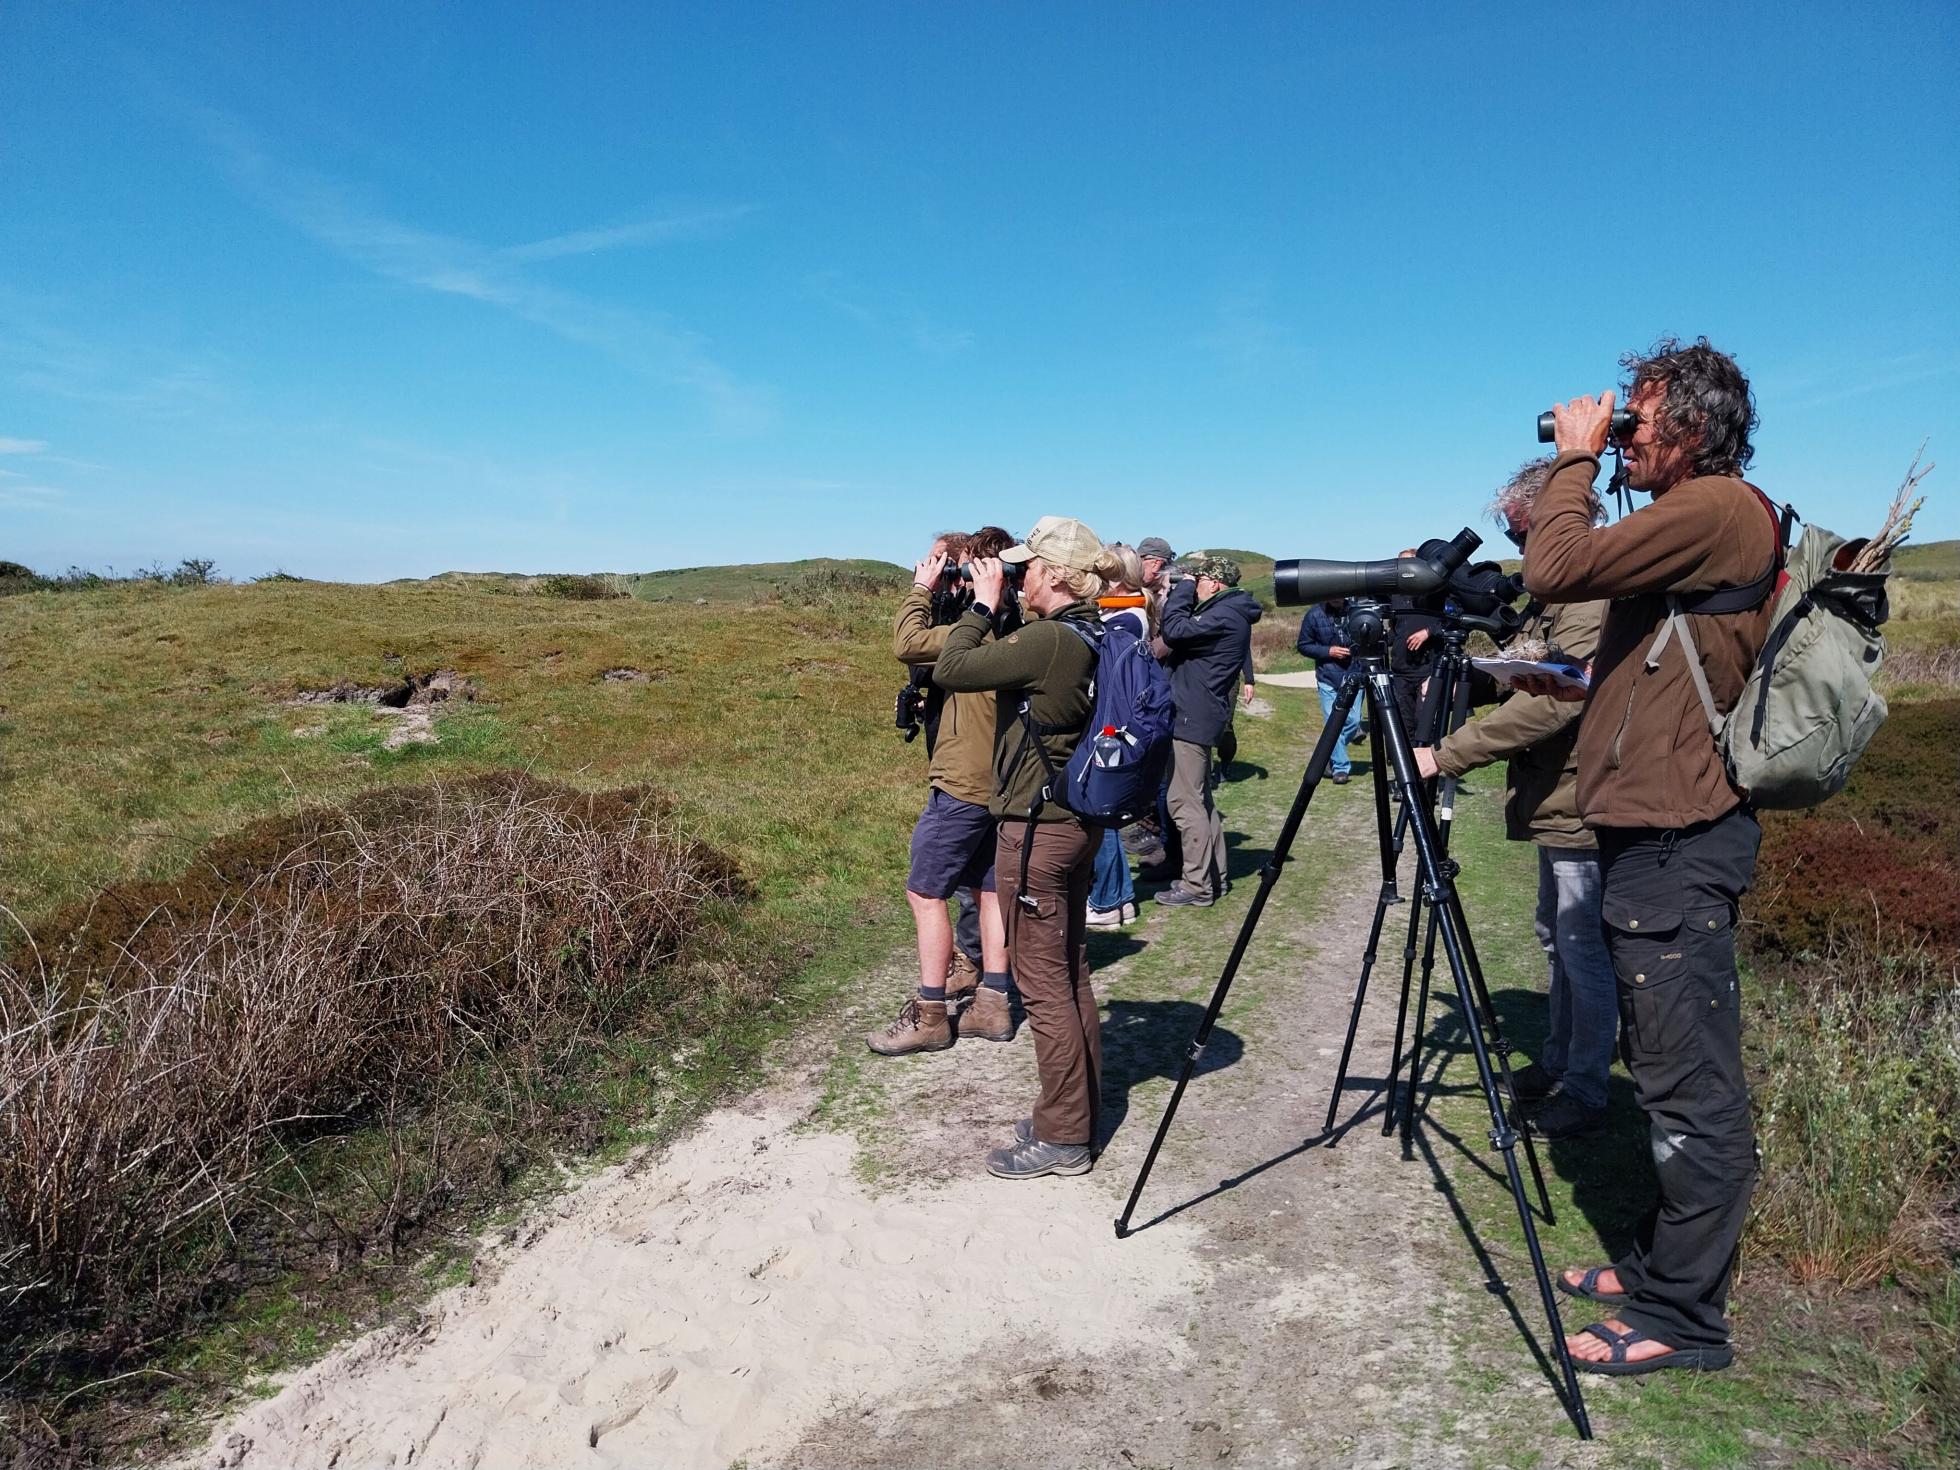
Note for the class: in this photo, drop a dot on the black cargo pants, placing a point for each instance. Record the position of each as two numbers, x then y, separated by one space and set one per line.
1669 900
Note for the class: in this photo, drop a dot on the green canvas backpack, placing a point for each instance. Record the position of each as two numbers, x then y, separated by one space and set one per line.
1809 709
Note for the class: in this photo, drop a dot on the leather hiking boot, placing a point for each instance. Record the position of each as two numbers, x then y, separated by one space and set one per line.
1032 1159
990 1017
920 1025
961 981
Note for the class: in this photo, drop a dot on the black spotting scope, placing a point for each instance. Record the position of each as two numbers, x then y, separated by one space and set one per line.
1303 580
1625 421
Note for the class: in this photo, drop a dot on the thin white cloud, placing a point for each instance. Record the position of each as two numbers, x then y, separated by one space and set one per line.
1245 329
689 225
889 314
31 497
335 216
22 446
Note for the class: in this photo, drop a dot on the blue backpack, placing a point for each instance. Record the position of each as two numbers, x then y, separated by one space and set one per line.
1112 778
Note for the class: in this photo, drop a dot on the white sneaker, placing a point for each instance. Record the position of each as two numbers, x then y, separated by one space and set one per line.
1114 918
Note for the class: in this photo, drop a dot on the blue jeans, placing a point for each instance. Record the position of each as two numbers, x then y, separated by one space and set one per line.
1341 763
1584 994
1111 887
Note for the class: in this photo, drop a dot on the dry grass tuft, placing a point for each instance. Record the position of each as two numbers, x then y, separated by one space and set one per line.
163 1048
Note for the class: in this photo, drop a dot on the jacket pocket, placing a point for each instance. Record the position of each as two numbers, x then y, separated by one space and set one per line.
1650 958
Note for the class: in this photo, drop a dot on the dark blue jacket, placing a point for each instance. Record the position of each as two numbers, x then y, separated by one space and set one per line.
1322 628
1210 648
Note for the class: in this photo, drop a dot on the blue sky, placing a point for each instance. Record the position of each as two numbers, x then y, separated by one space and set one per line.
374 290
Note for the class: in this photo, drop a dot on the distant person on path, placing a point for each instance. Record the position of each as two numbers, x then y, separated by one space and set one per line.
1208 629
1044 856
1564 1091
1324 639
953 841
1677 842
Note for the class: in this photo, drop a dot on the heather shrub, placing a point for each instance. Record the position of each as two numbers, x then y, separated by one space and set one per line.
1858 1107
165 1050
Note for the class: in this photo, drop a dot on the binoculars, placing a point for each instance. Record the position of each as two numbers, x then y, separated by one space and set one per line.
1625 421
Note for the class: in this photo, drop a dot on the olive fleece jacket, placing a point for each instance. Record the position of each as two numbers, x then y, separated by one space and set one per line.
1539 736
1051 667
963 754
1646 758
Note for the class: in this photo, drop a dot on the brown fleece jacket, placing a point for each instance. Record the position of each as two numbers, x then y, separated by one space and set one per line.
1646 758
1538 735
963 756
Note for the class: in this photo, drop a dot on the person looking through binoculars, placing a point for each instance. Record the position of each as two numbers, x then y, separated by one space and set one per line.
1677 841
953 840
1044 856
1564 1092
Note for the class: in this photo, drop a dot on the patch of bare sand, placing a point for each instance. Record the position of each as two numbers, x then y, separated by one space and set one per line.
717 1303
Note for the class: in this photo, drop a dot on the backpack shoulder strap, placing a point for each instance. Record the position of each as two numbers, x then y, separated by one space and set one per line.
1749 594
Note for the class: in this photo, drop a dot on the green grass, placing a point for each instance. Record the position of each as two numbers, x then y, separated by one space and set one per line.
1928 561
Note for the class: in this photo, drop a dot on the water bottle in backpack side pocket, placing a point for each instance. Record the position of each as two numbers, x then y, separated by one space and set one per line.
1108 748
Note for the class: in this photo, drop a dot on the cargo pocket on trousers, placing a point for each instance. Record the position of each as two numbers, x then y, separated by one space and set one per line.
1650 958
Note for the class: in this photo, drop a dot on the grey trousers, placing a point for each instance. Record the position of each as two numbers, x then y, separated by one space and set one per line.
1585 1003
1200 830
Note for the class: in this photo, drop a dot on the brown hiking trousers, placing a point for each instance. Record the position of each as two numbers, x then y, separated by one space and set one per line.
1048 947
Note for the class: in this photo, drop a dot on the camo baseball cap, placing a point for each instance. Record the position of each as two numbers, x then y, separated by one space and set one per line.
1059 541
1218 568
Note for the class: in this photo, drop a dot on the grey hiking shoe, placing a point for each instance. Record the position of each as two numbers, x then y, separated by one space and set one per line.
1177 896
1032 1159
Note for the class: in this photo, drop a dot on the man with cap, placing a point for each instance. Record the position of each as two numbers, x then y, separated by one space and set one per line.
1207 629
1044 856
1153 840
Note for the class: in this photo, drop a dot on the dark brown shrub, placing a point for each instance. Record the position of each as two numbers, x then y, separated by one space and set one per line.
162 1047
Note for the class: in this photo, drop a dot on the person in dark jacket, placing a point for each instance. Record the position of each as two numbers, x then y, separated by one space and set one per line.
1324 639
1207 628
1412 654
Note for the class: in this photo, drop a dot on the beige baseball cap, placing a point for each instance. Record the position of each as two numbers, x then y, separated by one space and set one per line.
1060 541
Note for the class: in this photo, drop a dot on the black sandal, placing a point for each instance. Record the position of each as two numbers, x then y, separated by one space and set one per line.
1695 1360
1588 1287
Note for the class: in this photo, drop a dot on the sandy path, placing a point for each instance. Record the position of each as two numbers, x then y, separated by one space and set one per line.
744 1297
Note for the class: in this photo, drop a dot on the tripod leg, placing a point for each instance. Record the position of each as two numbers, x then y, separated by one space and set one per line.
1323 752
1499 1047
1436 876
1391 848
1415 1037
1417 907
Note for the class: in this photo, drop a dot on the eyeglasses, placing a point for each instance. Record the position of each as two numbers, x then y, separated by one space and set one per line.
1516 538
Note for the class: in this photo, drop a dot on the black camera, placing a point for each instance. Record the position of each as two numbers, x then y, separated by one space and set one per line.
1625 421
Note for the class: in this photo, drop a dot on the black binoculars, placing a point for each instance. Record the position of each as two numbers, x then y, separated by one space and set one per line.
1625 421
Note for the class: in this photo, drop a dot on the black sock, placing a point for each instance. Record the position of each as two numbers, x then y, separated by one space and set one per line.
997 980
932 992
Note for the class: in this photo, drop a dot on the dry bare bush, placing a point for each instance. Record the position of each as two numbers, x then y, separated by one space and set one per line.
1273 635
1935 666
161 1049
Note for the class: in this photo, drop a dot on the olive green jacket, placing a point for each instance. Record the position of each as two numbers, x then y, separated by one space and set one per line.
1050 667
963 751
1539 735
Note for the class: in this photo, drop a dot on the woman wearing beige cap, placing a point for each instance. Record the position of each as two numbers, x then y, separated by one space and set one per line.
1045 857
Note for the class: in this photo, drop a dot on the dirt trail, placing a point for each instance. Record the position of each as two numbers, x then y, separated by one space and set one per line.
746 1297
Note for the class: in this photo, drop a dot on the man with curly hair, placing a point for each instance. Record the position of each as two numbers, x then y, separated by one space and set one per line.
1677 841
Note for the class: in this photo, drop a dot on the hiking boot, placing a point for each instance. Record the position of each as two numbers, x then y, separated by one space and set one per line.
1339 778
1532 1084
1032 1159
919 1026
1162 871
1563 1116
1114 918
961 981
1140 839
1177 896
989 1018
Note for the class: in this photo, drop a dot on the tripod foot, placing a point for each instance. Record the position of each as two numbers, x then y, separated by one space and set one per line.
1122 1231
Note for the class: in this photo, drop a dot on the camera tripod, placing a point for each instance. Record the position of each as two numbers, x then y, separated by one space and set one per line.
1436 895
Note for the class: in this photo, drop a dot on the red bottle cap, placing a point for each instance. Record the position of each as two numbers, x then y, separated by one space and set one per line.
1109 729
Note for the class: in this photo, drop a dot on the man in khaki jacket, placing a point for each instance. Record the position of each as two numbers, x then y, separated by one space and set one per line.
1677 842
1564 1092
953 841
